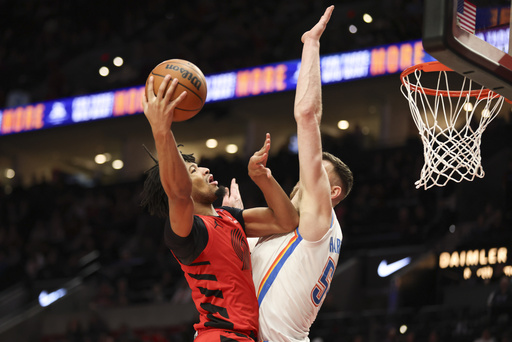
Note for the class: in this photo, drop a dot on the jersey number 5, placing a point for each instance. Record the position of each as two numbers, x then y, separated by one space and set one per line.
323 284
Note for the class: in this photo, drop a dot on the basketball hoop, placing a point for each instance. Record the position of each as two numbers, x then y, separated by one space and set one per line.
450 122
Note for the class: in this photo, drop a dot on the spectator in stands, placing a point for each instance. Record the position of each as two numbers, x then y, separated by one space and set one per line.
500 303
410 337
96 327
433 336
506 336
486 336
75 331
125 334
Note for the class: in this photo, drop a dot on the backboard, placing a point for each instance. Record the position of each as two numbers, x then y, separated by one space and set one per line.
449 38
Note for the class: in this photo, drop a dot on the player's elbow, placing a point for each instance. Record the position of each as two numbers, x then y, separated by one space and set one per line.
306 116
292 225
289 223
308 107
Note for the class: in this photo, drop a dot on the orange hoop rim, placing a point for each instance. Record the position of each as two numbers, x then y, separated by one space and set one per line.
435 67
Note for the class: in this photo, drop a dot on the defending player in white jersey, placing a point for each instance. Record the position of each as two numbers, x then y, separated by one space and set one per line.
292 272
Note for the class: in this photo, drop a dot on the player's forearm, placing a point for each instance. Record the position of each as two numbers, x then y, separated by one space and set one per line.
308 111
285 214
309 92
173 172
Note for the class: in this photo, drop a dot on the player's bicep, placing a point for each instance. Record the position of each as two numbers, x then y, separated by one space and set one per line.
181 215
315 218
310 155
310 148
313 177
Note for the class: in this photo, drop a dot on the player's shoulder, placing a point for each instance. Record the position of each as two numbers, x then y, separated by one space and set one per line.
233 214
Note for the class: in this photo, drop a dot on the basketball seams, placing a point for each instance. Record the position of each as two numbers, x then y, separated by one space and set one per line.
188 64
188 90
183 63
192 104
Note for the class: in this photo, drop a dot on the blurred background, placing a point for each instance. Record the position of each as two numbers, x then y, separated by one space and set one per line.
81 261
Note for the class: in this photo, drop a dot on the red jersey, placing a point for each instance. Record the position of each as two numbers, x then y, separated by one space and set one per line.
221 276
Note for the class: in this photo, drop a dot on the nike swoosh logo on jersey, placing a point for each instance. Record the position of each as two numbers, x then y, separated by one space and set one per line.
386 269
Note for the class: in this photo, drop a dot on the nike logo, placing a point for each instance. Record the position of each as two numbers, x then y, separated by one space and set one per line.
386 269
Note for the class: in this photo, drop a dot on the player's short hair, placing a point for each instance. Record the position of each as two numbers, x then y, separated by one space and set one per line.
342 172
153 197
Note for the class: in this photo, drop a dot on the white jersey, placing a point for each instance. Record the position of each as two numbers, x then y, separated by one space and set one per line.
292 277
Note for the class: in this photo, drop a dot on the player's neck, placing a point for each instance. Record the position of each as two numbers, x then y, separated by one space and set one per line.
204 209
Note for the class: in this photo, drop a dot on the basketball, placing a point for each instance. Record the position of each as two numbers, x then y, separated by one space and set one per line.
190 79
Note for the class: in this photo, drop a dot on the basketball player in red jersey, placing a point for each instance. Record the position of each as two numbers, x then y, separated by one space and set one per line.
211 244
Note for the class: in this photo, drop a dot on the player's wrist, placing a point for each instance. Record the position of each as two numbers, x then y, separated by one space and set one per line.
313 41
160 133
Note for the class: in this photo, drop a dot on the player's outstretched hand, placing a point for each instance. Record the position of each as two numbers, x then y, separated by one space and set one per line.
258 162
317 30
232 198
159 109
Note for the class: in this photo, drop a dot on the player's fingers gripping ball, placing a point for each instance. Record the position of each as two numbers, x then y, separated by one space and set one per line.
190 79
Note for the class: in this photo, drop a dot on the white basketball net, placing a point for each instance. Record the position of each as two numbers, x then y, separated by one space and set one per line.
450 125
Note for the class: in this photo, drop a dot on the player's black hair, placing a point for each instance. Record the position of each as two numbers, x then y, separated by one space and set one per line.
154 199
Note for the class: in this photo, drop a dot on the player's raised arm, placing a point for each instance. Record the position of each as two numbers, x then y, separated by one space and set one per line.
280 216
174 176
315 205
